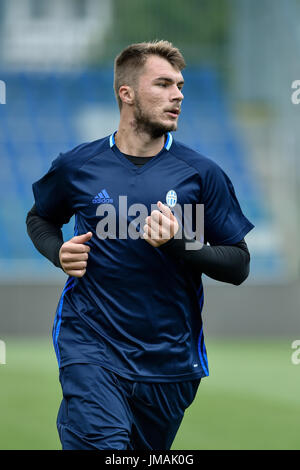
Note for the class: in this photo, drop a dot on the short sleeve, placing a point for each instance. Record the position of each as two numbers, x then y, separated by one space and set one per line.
52 193
224 221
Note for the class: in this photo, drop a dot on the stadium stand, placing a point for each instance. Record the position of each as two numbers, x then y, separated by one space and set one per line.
40 120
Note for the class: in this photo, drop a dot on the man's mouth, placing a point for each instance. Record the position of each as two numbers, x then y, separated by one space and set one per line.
173 112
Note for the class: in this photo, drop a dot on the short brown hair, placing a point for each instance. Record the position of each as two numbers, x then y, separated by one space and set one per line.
133 58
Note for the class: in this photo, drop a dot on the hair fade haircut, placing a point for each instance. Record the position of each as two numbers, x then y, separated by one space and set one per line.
129 63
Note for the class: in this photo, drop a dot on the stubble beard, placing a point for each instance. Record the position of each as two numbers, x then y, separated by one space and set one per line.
143 123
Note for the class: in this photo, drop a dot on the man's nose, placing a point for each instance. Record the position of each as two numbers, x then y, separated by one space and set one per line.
177 95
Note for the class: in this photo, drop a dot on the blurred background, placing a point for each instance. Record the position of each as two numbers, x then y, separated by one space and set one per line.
56 91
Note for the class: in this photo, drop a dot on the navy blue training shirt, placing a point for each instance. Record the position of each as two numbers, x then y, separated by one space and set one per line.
136 311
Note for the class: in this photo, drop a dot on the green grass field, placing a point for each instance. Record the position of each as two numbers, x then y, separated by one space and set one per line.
250 401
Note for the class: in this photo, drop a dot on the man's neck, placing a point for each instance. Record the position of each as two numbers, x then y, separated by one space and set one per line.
138 143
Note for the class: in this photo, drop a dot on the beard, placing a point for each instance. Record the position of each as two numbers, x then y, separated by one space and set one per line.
144 123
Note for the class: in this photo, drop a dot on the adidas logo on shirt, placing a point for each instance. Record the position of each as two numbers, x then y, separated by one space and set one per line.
102 198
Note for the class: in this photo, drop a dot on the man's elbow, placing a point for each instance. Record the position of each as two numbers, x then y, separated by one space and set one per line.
31 214
243 273
28 218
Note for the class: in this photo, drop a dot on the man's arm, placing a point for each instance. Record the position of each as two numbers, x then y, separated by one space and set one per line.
47 237
229 264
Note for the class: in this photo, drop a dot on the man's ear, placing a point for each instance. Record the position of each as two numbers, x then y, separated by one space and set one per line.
126 94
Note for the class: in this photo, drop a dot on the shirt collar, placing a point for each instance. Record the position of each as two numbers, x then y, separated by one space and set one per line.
167 145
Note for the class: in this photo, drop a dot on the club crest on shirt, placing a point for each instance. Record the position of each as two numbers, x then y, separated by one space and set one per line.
171 198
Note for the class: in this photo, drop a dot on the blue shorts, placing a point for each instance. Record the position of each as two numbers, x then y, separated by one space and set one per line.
101 410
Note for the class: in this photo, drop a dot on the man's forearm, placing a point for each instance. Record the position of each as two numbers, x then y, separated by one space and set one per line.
46 236
229 264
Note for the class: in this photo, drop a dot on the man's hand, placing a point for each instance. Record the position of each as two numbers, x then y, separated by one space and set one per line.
73 255
160 226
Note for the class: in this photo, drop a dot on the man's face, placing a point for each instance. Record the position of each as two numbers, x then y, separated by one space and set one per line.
158 97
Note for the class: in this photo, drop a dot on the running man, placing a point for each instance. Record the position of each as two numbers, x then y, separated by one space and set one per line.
128 331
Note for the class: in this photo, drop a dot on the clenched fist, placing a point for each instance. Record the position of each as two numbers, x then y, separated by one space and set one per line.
73 255
160 226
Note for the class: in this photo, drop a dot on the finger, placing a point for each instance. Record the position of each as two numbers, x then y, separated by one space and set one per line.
163 218
170 218
74 257
150 241
71 247
152 231
154 225
85 237
78 252
76 273
156 216
75 265
165 210
166 232
164 229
